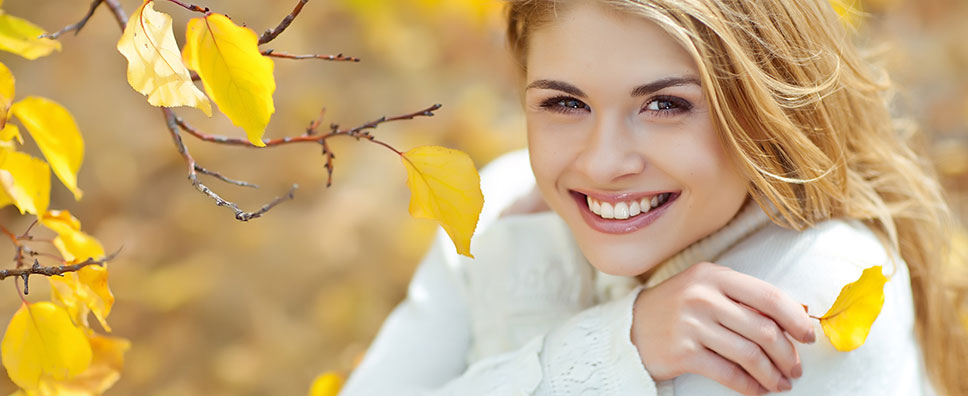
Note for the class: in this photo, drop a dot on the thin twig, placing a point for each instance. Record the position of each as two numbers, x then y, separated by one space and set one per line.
219 176
191 7
270 34
171 121
337 57
76 27
37 269
357 132
119 15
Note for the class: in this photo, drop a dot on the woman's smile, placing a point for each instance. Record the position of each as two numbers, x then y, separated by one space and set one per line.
622 213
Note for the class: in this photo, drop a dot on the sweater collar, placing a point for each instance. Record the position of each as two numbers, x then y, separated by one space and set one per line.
749 219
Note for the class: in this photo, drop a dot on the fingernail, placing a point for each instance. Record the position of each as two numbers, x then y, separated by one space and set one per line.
811 337
797 371
785 385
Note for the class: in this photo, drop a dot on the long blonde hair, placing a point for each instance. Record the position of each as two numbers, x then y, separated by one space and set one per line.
807 120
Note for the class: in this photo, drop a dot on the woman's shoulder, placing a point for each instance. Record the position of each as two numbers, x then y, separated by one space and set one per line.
813 264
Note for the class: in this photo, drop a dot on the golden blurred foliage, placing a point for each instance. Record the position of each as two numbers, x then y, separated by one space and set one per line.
217 307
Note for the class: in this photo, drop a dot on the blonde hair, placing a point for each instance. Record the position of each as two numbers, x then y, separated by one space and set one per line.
807 120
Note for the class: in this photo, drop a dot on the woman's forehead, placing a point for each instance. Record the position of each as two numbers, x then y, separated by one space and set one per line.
590 43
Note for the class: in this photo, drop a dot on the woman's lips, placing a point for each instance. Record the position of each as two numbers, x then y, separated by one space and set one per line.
620 226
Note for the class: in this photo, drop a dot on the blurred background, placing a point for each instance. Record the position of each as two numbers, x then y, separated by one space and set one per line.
214 306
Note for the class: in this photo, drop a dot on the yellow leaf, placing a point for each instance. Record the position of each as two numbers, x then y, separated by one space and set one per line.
104 371
57 135
7 136
850 11
21 37
7 91
445 186
88 287
849 320
326 384
155 66
41 342
25 180
235 74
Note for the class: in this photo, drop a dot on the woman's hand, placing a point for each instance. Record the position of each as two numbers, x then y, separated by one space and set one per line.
721 324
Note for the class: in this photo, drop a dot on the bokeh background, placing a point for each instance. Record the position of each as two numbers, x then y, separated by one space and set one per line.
214 306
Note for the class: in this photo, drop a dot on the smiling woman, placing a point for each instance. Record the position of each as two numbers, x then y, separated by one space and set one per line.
664 136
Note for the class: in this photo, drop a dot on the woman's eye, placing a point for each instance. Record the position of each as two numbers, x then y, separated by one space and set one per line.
667 105
564 104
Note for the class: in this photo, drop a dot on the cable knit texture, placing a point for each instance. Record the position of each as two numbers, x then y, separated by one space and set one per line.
530 316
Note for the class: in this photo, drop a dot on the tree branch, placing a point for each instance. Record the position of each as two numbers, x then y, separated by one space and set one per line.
357 132
337 57
171 121
74 27
219 176
270 34
37 269
119 14
192 7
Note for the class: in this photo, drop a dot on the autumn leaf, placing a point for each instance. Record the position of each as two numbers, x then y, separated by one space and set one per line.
57 135
850 11
7 91
23 38
849 320
326 384
235 74
155 65
86 289
25 181
41 342
104 371
445 186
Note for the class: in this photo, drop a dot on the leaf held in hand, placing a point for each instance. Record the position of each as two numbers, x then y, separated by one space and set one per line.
57 135
849 320
22 38
155 65
236 75
41 342
444 186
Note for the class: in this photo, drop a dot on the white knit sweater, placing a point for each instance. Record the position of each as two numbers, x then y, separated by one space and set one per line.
530 316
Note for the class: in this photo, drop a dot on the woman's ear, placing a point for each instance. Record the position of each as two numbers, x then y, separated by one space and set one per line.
532 202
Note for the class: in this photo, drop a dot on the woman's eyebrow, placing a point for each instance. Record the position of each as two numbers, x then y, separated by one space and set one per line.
558 86
659 85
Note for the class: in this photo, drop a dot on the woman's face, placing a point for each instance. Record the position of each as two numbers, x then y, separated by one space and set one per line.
621 139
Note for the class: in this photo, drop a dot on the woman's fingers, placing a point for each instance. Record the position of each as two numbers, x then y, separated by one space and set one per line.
710 365
763 331
747 355
770 301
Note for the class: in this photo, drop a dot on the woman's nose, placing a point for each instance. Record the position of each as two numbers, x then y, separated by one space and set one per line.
610 152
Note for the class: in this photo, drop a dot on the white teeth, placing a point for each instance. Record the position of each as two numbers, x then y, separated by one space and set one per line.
607 211
625 210
621 211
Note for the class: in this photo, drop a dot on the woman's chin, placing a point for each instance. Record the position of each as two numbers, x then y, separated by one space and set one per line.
632 263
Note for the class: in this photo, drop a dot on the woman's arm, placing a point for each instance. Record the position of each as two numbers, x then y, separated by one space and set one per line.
422 347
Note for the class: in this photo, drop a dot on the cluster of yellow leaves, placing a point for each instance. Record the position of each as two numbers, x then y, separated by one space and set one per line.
847 323
239 79
236 76
48 347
